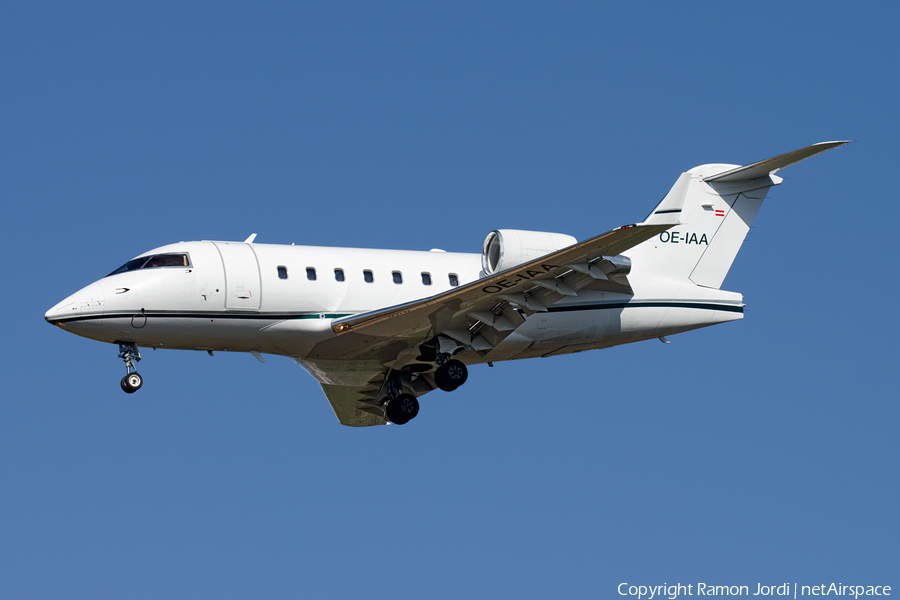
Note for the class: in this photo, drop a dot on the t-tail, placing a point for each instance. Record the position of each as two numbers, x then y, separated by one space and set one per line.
719 205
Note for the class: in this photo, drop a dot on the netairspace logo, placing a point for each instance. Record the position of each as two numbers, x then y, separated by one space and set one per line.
649 592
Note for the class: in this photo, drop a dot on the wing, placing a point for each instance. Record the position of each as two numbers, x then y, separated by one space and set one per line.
356 390
353 405
353 367
479 315
377 354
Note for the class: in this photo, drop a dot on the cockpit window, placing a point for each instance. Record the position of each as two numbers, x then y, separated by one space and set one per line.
131 265
167 260
152 262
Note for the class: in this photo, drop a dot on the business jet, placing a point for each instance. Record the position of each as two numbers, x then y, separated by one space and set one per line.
380 328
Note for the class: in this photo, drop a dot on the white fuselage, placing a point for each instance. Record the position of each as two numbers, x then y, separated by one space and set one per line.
279 299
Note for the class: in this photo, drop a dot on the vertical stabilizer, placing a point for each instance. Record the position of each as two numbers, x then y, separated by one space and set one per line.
719 204
730 217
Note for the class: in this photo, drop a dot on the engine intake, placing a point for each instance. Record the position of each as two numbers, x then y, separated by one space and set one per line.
507 248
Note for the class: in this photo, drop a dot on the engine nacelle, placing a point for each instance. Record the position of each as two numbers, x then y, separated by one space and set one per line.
615 265
506 248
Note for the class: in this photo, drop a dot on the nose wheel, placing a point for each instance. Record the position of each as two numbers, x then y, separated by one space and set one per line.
132 382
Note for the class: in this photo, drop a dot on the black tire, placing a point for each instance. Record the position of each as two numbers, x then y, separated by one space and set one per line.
132 383
402 409
451 375
440 380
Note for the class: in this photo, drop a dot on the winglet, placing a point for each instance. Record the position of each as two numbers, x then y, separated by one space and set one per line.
668 212
764 167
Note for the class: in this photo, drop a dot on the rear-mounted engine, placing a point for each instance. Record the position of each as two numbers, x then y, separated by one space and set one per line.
506 248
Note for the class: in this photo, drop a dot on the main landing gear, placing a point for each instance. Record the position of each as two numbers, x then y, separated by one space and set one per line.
399 406
450 374
397 399
401 409
132 382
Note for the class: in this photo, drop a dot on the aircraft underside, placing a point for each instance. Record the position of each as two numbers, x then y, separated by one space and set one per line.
563 330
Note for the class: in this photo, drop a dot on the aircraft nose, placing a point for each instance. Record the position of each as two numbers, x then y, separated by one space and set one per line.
86 301
66 308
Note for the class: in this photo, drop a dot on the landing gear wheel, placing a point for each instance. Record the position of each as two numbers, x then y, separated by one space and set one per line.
132 383
440 379
128 352
402 409
451 375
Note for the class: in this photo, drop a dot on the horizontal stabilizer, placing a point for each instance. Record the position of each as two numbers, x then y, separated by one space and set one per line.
764 167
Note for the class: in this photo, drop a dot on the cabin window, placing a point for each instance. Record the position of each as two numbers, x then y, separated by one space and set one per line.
398 276
311 273
426 278
338 274
282 272
454 280
367 275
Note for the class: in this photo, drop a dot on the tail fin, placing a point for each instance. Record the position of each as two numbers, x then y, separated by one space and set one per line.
720 204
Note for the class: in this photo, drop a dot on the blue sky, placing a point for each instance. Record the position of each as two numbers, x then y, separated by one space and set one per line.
759 451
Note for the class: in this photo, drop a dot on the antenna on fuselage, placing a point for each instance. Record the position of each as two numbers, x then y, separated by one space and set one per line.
250 239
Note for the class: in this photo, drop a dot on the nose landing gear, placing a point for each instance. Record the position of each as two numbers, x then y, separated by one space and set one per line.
132 382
